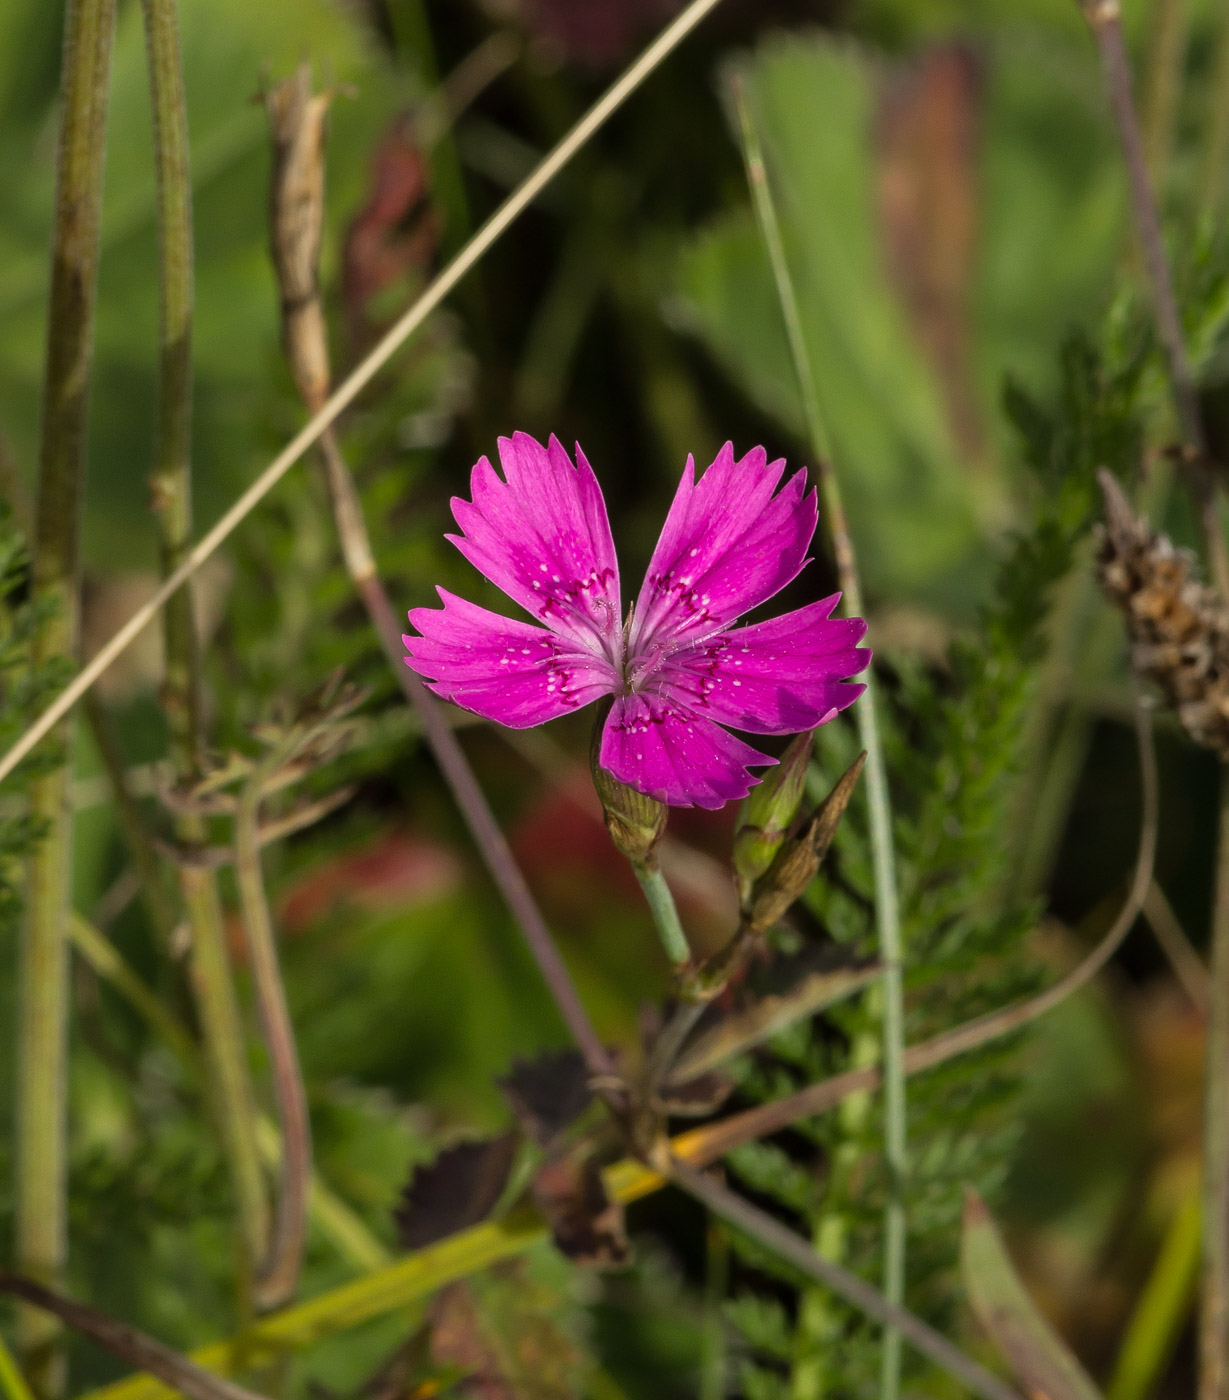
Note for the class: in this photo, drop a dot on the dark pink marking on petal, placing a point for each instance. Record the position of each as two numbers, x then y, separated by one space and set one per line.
505 670
728 544
660 747
775 677
541 534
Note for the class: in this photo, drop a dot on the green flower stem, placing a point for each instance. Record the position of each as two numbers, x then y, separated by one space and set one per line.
43 972
887 908
665 913
171 495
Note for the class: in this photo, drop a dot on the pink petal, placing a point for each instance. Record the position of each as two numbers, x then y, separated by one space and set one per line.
508 671
728 544
776 677
541 534
660 747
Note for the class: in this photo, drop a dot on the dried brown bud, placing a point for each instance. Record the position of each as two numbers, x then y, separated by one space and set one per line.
799 858
296 118
1179 629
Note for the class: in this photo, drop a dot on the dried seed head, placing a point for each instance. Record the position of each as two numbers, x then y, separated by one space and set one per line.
1179 629
297 123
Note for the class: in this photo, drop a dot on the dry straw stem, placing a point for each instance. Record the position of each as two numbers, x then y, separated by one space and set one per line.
423 1272
43 994
345 394
297 119
278 1274
883 858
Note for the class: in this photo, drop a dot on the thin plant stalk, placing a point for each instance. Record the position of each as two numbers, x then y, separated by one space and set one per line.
1163 84
1105 20
366 370
750 1220
887 907
43 970
171 497
714 1354
1216 147
664 910
1214 1302
1188 967
279 1270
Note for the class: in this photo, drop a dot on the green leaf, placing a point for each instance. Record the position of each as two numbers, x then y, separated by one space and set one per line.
1040 1358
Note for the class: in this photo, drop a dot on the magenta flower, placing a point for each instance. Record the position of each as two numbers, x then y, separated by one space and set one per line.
677 667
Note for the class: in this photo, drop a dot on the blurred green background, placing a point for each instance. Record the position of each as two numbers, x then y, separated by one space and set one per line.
955 208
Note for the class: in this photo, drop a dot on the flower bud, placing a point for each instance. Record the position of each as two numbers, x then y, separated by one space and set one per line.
636 822
799 858
767 814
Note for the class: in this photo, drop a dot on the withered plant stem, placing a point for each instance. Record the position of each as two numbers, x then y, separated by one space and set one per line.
1105 20
1188 967
277 1276
171 496
750 1220
40 1246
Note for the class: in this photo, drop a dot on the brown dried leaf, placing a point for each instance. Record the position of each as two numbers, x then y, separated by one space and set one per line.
548 1092
1179 629
457 1190
585 1223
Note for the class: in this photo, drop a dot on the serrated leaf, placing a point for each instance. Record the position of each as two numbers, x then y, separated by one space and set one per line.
1041 1360
548 1092
457 1190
